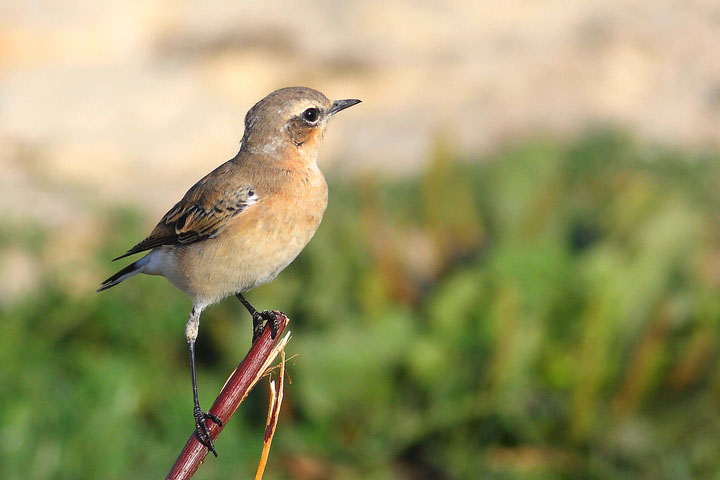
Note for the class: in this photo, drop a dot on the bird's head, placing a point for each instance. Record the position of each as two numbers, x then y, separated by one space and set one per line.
293 117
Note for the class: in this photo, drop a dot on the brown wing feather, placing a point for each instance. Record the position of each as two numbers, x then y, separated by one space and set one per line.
203 212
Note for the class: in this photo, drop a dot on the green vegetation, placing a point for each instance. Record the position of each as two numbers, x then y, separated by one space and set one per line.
550 312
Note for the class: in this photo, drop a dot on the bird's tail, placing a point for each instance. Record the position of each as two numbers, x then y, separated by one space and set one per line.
127 272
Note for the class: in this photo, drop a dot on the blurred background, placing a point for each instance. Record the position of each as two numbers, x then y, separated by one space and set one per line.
518 275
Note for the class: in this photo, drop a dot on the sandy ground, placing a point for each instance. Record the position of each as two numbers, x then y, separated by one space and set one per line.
133 101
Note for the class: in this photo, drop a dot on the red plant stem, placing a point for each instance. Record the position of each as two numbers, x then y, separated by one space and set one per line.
237 387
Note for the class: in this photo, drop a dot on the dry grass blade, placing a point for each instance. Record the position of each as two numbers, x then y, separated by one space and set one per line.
276 398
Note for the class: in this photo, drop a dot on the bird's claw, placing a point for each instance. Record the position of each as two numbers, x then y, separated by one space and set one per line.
259 318
202 433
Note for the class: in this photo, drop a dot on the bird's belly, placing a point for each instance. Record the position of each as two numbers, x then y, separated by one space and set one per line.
244 257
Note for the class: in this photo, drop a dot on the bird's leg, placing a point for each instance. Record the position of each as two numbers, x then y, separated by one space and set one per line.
260 317
201 430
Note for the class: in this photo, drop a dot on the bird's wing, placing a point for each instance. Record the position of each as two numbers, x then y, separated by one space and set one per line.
204 210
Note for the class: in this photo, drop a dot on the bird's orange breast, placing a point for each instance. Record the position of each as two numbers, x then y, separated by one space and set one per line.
257 244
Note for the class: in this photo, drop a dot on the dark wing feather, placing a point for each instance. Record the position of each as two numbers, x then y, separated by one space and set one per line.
203 212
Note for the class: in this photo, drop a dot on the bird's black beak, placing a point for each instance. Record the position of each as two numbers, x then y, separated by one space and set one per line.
338 105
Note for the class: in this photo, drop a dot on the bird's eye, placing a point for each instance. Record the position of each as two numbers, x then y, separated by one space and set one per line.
311 114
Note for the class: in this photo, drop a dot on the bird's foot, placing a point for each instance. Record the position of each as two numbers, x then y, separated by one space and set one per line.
202 433
259 318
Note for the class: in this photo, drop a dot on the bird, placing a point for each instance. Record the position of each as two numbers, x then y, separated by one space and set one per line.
245 221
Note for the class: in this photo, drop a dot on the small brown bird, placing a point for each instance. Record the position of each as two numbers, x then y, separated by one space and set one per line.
245 221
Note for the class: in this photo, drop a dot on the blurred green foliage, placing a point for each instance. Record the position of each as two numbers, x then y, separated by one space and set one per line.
549 312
